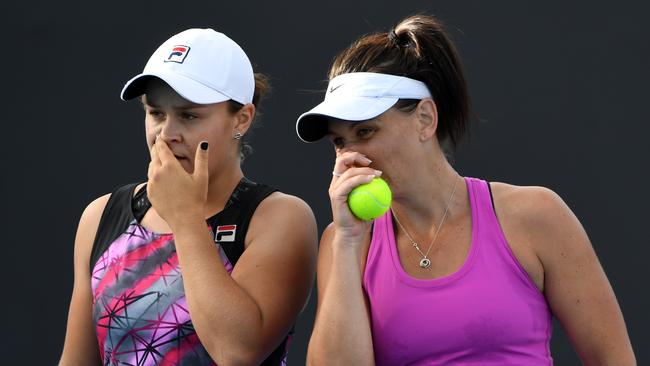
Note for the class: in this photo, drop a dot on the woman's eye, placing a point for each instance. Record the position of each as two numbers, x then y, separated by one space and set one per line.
156 114
364 132
338 142
188 116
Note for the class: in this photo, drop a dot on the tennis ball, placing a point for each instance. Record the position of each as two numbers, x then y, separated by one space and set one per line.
371 200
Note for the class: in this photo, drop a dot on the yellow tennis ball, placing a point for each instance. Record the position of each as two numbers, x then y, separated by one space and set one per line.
371 200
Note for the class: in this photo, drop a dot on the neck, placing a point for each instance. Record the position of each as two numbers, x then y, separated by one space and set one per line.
423 199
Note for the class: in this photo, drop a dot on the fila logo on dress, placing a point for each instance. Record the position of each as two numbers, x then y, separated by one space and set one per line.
178 54
225 233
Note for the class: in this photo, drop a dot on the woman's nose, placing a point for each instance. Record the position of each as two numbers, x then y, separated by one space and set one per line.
170 130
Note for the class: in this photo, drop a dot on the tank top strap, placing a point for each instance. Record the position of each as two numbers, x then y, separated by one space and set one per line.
481 197
484 218
491 235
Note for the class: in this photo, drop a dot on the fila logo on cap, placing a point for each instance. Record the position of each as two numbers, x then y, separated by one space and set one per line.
225 233
178 54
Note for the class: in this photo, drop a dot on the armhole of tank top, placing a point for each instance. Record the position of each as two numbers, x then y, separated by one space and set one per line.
241 216
116 211
259 194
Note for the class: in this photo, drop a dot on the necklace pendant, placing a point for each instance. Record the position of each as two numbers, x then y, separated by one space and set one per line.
425 263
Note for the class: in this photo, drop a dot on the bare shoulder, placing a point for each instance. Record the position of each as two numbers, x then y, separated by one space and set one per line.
91 215
282 206
282 216
539 217
534 207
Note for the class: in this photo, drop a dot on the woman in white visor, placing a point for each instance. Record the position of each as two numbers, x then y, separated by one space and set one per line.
459 271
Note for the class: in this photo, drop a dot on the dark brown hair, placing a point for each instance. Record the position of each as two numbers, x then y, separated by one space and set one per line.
262 86
417 48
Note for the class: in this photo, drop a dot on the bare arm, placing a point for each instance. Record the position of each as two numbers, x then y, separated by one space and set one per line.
575 285
80 347
241 318
341 334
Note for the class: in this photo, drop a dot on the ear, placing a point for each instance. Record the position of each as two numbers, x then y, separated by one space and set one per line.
244 118
427 115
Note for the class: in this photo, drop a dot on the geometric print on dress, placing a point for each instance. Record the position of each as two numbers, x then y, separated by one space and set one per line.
139 307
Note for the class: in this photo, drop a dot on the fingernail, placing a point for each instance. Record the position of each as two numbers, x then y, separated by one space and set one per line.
377 173
366 159
204 145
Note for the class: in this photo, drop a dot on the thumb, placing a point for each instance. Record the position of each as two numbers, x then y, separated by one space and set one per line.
201 161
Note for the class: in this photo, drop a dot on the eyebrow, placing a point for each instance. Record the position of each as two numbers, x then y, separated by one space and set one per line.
350 125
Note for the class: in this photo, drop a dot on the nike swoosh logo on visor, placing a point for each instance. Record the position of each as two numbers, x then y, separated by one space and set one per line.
334 88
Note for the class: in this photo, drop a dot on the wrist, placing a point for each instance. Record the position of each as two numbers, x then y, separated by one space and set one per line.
347 245
189 221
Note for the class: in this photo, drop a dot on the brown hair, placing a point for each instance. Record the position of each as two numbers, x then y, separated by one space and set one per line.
262 86
417 48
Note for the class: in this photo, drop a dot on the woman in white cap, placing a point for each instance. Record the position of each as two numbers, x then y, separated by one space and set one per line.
459 271
246 252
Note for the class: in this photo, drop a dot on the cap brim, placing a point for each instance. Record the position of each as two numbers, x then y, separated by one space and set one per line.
311 126
186 87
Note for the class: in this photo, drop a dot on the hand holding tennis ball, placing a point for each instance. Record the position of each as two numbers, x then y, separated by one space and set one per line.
371 200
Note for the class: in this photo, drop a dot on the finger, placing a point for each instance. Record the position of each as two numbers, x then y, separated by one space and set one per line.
201 161
150 171
346 160
164 153
340 192
353 172
153 152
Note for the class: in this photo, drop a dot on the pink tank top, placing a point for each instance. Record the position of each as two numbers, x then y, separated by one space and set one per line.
487 313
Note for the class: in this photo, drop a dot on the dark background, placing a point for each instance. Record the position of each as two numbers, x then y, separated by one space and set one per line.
561 90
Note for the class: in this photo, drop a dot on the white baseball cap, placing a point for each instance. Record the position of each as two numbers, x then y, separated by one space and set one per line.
201 65
357 96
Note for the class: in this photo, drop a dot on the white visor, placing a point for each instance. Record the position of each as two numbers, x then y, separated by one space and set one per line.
357 96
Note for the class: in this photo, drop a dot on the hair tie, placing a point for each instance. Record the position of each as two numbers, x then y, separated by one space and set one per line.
399 41
393 36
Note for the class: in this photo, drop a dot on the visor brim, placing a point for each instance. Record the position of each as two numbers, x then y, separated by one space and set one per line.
311 126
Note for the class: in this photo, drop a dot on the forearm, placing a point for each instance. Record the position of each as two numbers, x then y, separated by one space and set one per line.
225 317
342 329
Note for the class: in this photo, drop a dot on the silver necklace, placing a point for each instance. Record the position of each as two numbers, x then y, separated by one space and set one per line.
425 262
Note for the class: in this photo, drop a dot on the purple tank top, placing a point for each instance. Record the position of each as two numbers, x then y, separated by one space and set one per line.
489 312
